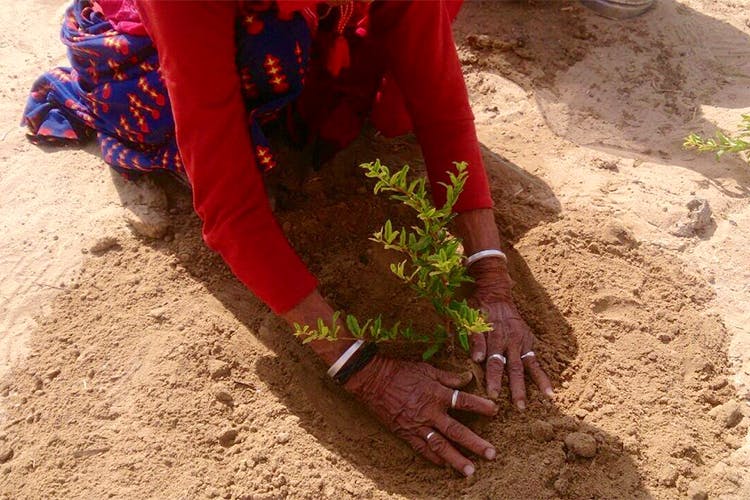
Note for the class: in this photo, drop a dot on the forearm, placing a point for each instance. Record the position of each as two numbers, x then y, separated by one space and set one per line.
478 231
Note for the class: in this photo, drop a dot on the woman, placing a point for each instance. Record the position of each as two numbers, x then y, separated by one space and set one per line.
228 68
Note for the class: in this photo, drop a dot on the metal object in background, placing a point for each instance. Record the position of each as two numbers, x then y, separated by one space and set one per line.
619 9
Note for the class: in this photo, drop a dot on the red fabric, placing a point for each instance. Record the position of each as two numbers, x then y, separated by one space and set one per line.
195 41
411 43
196 46
123 15
417 41
389 113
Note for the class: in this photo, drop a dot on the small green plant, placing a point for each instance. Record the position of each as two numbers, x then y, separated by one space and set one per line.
723 143
433 266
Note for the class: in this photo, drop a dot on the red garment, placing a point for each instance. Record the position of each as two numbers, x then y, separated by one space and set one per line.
123 15
195 42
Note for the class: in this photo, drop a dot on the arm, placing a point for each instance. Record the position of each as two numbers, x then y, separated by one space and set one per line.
197 60
196 51
421 56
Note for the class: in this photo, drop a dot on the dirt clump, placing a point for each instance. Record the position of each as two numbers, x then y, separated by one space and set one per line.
218 368
697 221
728 414
542 431
581 444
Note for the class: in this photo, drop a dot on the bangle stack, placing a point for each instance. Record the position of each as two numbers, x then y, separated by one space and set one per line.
356 357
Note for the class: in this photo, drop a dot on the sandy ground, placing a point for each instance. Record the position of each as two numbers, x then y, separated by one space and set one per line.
143 369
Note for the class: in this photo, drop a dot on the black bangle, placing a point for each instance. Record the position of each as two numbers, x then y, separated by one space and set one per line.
364 356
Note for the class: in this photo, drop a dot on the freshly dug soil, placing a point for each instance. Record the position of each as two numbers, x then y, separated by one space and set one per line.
158 371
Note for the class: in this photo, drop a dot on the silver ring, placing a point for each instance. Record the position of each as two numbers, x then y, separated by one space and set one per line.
500 357
429 435
530 353
454 399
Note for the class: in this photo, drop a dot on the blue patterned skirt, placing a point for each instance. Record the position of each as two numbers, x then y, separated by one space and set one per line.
114 88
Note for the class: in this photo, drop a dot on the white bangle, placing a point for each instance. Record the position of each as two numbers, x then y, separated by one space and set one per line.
339 363
483 254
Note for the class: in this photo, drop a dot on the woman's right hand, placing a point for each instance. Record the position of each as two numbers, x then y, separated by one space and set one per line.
412 400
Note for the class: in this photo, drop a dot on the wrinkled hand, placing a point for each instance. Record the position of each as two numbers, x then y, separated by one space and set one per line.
412 399
511 337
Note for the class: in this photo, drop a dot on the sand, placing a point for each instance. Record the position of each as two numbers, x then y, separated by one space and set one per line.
135 367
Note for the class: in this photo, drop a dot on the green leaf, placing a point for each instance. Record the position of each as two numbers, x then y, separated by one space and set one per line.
463 338
377 323
352 324
393 333
430 352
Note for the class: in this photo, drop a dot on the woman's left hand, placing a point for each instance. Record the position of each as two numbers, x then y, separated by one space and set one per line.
510 343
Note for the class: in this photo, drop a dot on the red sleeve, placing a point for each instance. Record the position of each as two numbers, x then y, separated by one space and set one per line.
421 56
196 48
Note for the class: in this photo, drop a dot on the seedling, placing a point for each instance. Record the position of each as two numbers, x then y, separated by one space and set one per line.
433 267
722 143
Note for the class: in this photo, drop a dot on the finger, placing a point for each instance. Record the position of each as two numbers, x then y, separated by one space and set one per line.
494 370
495 366
472 403
450 379
478 347
442 448
540 378
420 446
515 376
462 435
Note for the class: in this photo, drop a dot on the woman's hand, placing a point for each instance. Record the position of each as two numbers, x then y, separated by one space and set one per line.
412 400
510 343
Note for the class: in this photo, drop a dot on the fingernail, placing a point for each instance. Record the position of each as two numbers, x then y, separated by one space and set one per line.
549 392
490 453
478 357
469 470
521 405
496 410
492 394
